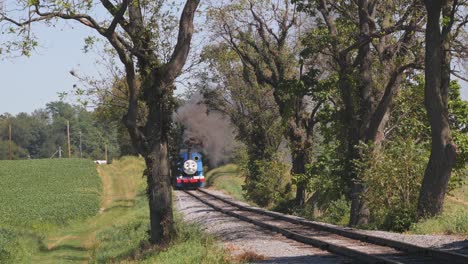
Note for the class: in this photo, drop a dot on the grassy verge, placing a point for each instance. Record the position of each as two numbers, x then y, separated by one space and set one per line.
454 223
191 246
454 219
124 243
226 178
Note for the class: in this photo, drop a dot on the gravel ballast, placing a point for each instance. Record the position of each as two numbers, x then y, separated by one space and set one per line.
242 238
245 239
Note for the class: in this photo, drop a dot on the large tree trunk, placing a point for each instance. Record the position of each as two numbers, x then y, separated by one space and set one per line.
298 167
159 194
351 136
359 211
301 142
156 91
359 206
437 81
158 168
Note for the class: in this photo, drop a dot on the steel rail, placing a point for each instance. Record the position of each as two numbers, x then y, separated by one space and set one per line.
440 255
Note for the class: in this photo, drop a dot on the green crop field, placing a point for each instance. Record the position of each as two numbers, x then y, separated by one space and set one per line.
39 196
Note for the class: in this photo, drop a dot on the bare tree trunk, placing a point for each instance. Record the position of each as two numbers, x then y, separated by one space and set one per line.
437 81
159 194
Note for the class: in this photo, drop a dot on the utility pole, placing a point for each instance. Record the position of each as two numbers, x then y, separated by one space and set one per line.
9 139
60 152
105 152
81 150
68 136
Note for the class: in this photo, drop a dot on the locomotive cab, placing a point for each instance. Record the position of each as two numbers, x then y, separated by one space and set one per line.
190 169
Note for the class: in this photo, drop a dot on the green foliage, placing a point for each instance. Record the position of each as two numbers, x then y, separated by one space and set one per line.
40 134
327 203
409 120
392 176
17 151
458 114
266 181
324 176
288 92
397 219
336 212
408 115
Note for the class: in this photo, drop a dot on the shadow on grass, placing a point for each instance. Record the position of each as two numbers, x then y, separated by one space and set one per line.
120 206
65 247
73 258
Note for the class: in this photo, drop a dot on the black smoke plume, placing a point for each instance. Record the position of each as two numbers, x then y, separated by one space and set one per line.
211 131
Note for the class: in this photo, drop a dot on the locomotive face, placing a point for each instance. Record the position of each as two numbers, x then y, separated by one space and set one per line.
190 167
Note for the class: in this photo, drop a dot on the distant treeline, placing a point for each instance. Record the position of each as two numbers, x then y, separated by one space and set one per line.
41 133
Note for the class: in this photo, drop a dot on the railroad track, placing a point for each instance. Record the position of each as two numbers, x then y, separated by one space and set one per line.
342 241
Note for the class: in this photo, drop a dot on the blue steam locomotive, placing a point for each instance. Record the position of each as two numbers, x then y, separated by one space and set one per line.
189 170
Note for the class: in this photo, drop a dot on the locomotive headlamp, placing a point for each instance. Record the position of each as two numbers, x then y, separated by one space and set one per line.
190 167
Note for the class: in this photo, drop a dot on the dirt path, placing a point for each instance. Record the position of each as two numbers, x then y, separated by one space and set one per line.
454 199
107 191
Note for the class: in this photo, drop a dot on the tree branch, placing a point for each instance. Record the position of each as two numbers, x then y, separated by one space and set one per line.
84 19
312 121
118 16
181 50
383 32
112 10
386 99
455 73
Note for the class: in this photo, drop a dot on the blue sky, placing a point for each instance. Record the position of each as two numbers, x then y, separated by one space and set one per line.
29 83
